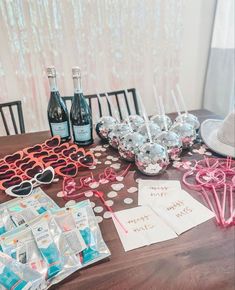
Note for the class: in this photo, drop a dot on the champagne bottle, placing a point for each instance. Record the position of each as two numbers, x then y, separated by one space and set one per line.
57 112
80 114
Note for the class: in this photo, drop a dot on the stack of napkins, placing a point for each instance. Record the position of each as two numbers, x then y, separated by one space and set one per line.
165 211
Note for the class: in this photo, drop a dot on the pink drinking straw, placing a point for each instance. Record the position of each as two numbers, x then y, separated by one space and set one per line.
100 195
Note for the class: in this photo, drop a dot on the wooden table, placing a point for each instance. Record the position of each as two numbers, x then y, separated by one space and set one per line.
202 258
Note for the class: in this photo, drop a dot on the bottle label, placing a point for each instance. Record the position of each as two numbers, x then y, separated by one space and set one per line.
60 129
82 133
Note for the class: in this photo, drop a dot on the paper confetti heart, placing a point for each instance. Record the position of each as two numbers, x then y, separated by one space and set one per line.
119 178
116 166
103 181
109 202
107 215
117 186
109 157
70 203
99 219
98 154
128 200
132 189
88 194
60 194
108 162
98 209
94 184
112 194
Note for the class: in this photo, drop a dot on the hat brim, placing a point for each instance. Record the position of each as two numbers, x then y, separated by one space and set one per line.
209 129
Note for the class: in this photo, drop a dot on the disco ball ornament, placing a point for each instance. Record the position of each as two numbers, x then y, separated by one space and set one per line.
129 145
172 142
159 120
152 159
189 118
104 126
135 121
154 130
186 133
118 131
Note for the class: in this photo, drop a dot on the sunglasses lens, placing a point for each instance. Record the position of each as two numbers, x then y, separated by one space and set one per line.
27 165
22 161
53 142
12 158
51 158
76 156
23 189
69 170
46 176
33 171
11 182
60 149
34 149
87 160
6 175
60 162
40 154
69 151
3 168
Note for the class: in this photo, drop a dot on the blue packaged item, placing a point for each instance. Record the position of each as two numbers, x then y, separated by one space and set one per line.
14 275
47 248
86 222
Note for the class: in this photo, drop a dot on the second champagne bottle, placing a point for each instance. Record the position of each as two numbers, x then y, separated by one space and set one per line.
80 114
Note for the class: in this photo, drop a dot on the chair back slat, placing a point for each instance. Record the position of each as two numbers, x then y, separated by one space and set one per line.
99 105
4 122
10 106
127 103
13 120
121 99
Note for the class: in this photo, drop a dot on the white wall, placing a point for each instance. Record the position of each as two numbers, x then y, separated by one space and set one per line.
197 24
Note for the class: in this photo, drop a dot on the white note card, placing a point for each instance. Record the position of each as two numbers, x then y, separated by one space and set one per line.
144 227
156 191
183 212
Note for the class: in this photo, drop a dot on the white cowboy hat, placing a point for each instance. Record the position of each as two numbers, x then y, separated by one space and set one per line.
219 135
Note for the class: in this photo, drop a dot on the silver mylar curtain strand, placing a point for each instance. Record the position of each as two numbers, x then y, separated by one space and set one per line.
117 43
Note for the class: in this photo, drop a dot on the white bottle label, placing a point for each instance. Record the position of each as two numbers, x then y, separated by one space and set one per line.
82 133
60 129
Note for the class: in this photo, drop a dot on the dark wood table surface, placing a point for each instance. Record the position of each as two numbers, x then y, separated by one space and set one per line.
202 258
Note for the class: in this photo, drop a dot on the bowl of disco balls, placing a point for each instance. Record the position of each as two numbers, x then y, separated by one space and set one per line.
135 121
104 126
186 132
162 121
117 132
172 142
152 159
188 118
153 128
129 145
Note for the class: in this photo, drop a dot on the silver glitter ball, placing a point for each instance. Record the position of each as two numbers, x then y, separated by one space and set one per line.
129 145
172 142
189 118
186 133
159 120
118 131
152 159
104 126
135 121
154 130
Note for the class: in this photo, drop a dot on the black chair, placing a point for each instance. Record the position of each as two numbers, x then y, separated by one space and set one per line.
11 108
130 101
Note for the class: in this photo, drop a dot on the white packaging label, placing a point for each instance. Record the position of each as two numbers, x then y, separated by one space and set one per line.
42 235
75 241
80 217
82 133
60 129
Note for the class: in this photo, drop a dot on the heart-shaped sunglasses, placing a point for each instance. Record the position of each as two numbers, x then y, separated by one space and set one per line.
26 187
